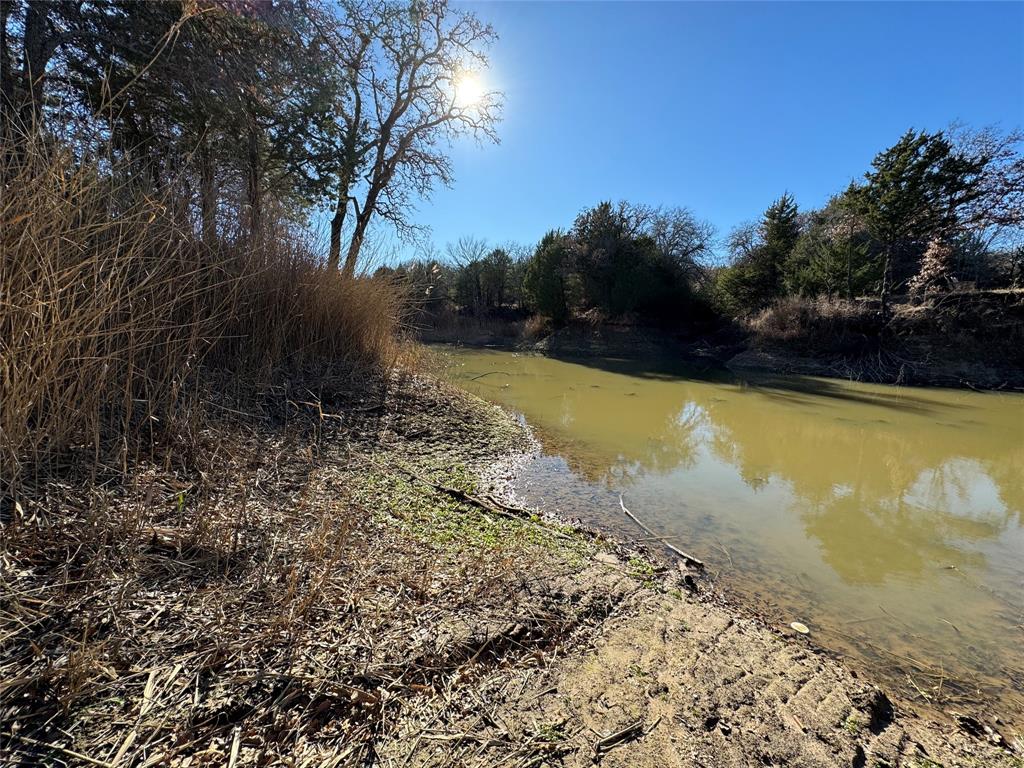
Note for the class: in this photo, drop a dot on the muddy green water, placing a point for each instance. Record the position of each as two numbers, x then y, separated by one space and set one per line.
889 520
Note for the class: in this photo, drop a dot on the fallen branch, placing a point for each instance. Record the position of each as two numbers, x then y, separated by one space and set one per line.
488 502
491 373
62 750
629 733
687 558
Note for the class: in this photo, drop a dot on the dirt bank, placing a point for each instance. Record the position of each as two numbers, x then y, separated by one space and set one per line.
347 588
971 340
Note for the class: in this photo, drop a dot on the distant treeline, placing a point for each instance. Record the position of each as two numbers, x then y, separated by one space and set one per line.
936 211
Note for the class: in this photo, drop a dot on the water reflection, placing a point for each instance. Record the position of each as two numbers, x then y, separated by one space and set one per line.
855 500
867 545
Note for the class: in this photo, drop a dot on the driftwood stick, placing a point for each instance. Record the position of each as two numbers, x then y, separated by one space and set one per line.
489 502
491 373
632 731
687 558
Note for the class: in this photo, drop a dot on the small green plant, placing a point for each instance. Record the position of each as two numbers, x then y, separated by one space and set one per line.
552 731
636 670
853 725
642 570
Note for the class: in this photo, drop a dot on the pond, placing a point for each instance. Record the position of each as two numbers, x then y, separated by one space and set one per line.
886 519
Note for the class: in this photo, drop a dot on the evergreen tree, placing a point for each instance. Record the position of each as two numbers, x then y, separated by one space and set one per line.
545 281
833 255
761 256
913 193
780 230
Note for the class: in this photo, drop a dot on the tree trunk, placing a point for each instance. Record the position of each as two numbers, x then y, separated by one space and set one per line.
207 190
6 79
345 178
38 48
253 186
362 220
886 284
337 222
849 267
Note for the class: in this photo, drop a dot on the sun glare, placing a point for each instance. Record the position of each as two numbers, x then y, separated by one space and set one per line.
469 89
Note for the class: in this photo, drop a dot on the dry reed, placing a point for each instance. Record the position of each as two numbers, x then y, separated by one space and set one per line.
112 312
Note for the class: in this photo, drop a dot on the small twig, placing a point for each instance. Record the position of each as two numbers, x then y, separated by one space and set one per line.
653 726
924 695
504 373
236 743
721 546
687 558
630 732
62 750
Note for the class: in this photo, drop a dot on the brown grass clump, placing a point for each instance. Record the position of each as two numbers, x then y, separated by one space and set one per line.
537 327
834 326
196 568
111 310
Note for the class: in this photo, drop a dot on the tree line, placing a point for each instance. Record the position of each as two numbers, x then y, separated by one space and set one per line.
619 258
251 110
934 211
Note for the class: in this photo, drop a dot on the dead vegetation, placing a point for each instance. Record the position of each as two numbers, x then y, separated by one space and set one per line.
961 338
211 556
291 600
114 316
824 325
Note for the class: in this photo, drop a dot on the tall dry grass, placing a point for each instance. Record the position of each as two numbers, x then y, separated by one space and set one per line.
819 325
112 312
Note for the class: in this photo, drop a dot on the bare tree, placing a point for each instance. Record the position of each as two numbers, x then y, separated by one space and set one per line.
742 240
998 208
466 250
680 236
402 107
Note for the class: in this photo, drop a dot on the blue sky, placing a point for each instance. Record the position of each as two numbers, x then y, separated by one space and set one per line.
719 107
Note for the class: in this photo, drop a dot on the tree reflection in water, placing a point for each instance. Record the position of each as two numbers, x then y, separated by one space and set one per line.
860 500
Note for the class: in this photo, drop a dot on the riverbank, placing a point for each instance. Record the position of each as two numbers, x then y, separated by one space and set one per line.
970 340
353 588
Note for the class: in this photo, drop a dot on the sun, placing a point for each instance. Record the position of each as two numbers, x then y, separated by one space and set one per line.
469 89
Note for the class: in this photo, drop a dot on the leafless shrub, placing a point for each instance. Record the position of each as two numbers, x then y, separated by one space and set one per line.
819 325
